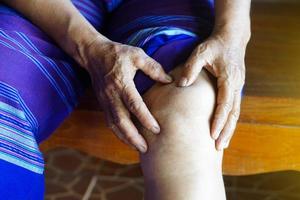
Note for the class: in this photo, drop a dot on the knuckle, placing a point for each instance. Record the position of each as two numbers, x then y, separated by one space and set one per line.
202 48
155 69
137 53
116 48
134 106
139 61
114 80
223 82
118 82
121 122
109 90
217 118
229 82
235 114
127 91
118 121
226 106
188 66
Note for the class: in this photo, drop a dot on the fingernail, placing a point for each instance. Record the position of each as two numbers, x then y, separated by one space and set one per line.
169 78
183 82
155 129
142 148
226 145
219 147
214 135
223 145
215 132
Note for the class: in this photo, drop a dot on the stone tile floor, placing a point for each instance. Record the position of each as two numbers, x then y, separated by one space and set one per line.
72 175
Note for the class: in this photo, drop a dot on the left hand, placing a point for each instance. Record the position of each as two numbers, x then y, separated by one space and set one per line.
223 57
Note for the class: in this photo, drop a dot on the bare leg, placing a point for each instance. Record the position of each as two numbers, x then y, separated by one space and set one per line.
181 162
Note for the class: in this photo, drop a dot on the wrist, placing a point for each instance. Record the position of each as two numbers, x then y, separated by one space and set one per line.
238 32
90 45
78 38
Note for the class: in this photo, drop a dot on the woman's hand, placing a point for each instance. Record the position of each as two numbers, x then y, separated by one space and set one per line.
223 56
112 67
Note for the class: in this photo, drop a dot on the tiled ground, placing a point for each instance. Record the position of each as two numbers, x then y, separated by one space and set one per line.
71 175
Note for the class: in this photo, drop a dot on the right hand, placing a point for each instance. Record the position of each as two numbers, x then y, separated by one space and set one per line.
112 67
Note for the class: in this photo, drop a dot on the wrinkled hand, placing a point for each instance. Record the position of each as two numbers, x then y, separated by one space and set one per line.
224 58
112 67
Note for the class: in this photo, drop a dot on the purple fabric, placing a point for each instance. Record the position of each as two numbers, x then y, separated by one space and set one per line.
194 15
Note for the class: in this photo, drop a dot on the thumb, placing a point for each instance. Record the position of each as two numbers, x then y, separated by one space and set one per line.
191 69
155 71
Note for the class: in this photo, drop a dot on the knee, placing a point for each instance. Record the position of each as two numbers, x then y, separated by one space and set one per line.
183 108
184 117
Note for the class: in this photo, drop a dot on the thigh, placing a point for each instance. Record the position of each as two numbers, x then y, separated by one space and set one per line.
134 17
39 87
36 77
166 30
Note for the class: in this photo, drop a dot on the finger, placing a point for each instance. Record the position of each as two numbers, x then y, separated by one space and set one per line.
115 129
153 69
109 120
191 69
120 135
136 105
226 134
224 106
121 118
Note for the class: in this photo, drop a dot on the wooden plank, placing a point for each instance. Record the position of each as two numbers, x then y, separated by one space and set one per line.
262 148
87 132
261 144
270 110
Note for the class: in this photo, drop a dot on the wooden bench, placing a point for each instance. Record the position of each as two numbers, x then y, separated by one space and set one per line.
268 133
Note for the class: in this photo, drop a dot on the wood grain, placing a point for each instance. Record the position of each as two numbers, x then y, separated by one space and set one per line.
268 133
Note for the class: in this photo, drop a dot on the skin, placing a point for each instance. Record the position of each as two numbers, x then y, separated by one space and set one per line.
223 55
182 162
116 90
186 156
